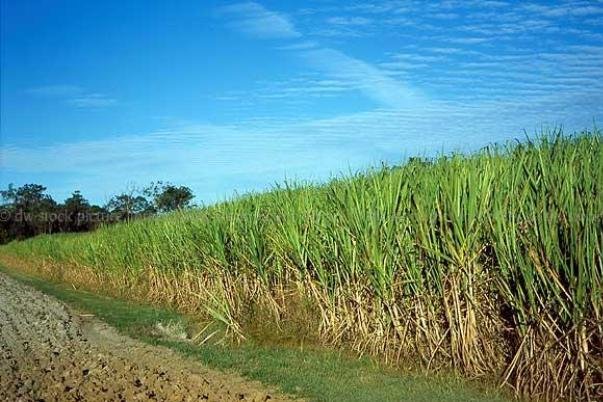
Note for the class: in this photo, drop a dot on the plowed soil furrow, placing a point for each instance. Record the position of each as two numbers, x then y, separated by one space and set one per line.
48 353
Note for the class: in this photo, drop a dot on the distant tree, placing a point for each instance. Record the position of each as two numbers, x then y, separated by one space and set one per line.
26 211
26 197
168 197
76 202
78 214
128 206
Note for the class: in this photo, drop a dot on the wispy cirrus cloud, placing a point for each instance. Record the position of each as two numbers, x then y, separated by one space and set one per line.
55 91
494 20
349 21
255 20
299 46
489 52
366 77
73 95
579 9
519 75
252 18
91 100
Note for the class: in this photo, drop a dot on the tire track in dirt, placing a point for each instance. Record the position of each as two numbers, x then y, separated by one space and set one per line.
47 353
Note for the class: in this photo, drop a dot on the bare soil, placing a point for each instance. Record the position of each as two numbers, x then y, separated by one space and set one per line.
50 353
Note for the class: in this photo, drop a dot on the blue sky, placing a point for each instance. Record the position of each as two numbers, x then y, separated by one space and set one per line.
230 96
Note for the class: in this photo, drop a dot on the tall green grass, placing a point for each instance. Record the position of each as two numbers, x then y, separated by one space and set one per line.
490 264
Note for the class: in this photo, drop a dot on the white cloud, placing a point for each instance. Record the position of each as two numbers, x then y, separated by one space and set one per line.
564 10
73 95
91 100
363 76
487 53
255 20
467 41
299 46
55 91
359 75
349 21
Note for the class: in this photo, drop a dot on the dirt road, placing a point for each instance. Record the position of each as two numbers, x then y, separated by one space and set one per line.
48 353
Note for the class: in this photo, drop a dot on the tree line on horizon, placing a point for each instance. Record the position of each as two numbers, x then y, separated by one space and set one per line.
28 210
